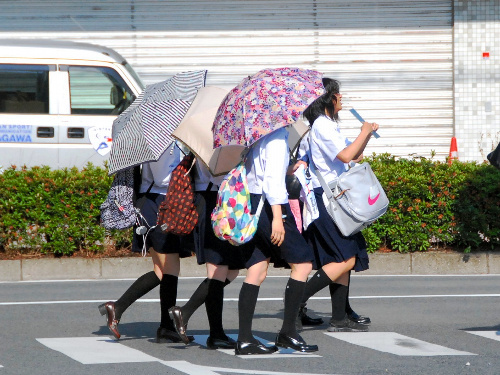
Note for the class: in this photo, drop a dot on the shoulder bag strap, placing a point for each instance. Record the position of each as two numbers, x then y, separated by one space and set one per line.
324 185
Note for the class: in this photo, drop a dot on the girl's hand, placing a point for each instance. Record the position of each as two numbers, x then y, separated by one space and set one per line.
369 127
358 159
277 231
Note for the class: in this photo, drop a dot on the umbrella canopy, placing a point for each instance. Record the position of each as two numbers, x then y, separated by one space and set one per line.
264 102
143 132
195 131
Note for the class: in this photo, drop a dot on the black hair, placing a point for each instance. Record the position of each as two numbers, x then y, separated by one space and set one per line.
324 104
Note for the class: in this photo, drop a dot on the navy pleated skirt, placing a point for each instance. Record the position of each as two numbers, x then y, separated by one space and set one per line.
330 245
208 248
163 243
293 250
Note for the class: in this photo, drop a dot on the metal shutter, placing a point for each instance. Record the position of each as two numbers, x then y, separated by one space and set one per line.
393 58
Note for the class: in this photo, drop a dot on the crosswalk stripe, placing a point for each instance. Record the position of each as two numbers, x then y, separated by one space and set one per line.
191 369
282 353
99 350
394 343
493 335
95 350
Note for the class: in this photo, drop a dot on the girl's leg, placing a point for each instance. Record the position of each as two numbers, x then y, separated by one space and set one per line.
322 278
169 266
351 313
247 301
288 336
340 321
325 276
218 275
181 315
114 310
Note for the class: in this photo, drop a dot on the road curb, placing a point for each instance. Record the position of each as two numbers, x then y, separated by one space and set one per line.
432 263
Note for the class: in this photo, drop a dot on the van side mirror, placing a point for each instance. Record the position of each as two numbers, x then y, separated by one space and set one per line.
116 95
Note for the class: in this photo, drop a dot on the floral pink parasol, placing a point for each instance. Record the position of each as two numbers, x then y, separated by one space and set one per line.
264 102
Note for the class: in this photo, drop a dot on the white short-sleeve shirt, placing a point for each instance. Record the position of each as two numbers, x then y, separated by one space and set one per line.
160 171
326 141
267 162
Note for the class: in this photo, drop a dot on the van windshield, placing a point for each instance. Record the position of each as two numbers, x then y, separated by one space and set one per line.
98 90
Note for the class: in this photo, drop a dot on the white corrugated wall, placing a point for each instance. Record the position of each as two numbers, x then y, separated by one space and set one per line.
394 58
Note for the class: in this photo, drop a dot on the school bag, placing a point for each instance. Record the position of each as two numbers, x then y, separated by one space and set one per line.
119 210
231 218
178 213
354 200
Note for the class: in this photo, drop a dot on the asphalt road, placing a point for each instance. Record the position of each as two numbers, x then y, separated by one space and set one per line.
421 325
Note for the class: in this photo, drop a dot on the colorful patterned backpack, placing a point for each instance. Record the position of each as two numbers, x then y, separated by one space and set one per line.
178 213
231 218
119 210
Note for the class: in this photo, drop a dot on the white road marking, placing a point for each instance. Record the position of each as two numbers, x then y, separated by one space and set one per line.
156 300
493 335
96 350
190 369
394 343
282 353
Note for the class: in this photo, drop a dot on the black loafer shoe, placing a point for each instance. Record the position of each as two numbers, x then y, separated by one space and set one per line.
214 343
164 334
346 325
306 320
299 344
108 309
175 314
245 348
358 318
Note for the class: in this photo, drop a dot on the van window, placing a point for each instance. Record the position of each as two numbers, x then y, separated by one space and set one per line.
24 88
98 91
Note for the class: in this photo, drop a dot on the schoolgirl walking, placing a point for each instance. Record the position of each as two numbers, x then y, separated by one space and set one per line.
336 255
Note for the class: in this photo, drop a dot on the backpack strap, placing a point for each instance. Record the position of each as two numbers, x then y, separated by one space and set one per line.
141 200
261 205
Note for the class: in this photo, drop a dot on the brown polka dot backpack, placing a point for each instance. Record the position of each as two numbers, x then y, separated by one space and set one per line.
178 213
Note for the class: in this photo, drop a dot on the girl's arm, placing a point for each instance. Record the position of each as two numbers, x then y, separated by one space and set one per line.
356 148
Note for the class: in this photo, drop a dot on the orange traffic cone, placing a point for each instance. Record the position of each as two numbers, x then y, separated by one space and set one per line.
453 151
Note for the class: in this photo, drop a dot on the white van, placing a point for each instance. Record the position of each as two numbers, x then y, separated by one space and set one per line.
58 101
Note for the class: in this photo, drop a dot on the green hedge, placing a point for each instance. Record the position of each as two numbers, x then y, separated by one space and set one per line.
54 211
432 204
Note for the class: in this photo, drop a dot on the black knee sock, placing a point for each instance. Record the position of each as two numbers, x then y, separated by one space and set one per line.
338 295
246 309
214 306
293 298
317 282
348 308
140 287
168 297
197 299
